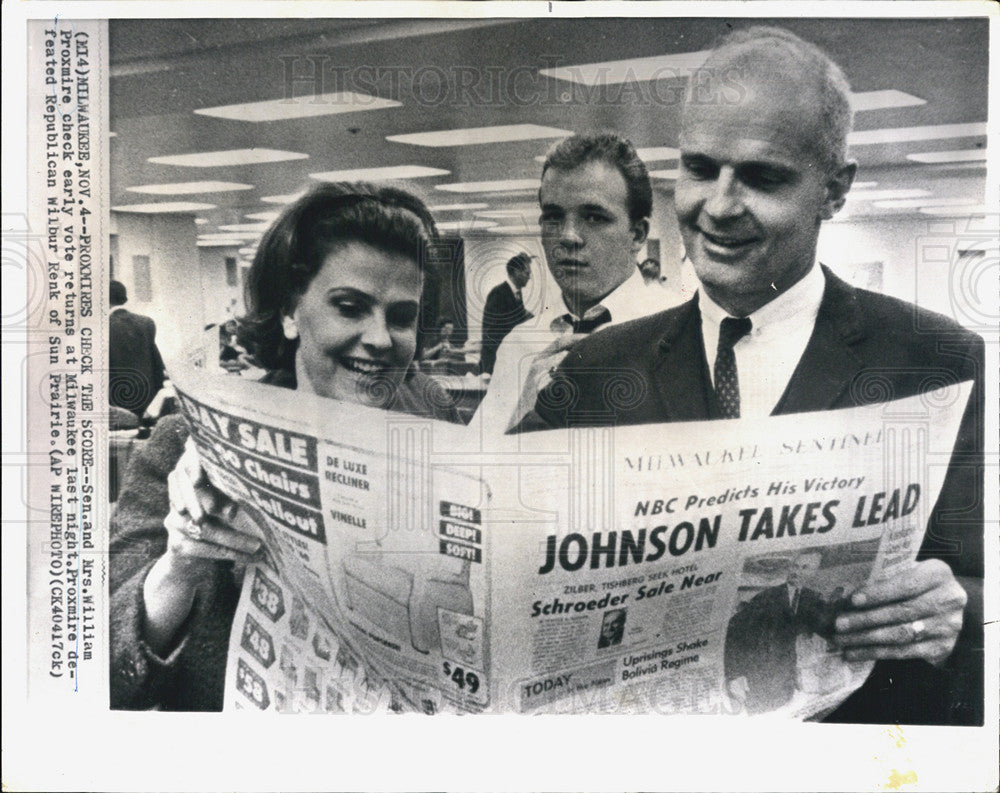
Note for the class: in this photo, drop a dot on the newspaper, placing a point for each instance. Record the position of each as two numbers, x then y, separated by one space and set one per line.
700 576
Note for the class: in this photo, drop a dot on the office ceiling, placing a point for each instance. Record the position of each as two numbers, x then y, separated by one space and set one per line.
445 74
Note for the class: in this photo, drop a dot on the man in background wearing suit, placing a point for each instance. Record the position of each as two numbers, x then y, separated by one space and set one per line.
595 199
136 368
504 309
760 655
772 332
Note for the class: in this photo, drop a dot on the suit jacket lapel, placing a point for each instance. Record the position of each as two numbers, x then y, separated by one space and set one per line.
829 362
680 373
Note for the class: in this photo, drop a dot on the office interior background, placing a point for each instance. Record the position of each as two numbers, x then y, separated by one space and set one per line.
216 124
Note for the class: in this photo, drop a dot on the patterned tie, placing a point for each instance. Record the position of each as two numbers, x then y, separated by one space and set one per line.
587 325
727 382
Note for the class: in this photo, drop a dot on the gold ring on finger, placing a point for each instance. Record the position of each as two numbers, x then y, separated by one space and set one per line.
919 629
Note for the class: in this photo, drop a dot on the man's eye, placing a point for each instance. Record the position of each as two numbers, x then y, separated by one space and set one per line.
595 217
700 169
764 178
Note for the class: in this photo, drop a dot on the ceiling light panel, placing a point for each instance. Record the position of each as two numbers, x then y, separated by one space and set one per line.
299 107
915 203
657 67
477 135
885 195
164 207
467 225
379 174
249 228
882 100
669 174
967 209
964 155
218 159
282 199
187 188
269 217
234 243
502 186
904 134
457 207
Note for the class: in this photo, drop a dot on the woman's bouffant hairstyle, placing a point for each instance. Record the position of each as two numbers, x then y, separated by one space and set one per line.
293 250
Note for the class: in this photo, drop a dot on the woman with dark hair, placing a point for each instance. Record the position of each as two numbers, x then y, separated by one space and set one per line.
333 298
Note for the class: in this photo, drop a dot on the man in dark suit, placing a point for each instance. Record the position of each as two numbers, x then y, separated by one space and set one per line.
504 309
760 655
772 332
136 368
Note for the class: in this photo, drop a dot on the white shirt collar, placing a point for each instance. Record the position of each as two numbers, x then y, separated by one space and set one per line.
620 303
800 303
116 308
514 287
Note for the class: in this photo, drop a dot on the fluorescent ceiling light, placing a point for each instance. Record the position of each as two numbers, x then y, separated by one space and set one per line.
915 203
671 174
528 231
904 134
965 155
649 154
531 214
247 251
186 188
880 100
201 221
456 207
475 135
247 227
379 174
219 243
214 159
863 186
299 107
657 67
228 235
967 209
282 199
502 186
165 206
885 195
270 217
467 225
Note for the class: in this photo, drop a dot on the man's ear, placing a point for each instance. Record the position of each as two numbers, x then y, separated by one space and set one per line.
640 231
837 186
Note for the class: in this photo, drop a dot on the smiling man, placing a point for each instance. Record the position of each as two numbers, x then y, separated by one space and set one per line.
595 199
773 332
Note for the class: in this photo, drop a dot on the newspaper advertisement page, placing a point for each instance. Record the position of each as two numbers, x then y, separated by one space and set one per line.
360 526
692 574
700 577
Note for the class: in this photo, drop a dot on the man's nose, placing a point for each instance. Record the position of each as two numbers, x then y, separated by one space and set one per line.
725 200
569 233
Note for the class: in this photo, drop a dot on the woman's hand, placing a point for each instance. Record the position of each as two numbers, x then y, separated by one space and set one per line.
199 534
915 614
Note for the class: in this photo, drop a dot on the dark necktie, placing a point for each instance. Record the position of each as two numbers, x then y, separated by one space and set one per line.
588 325
727 382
